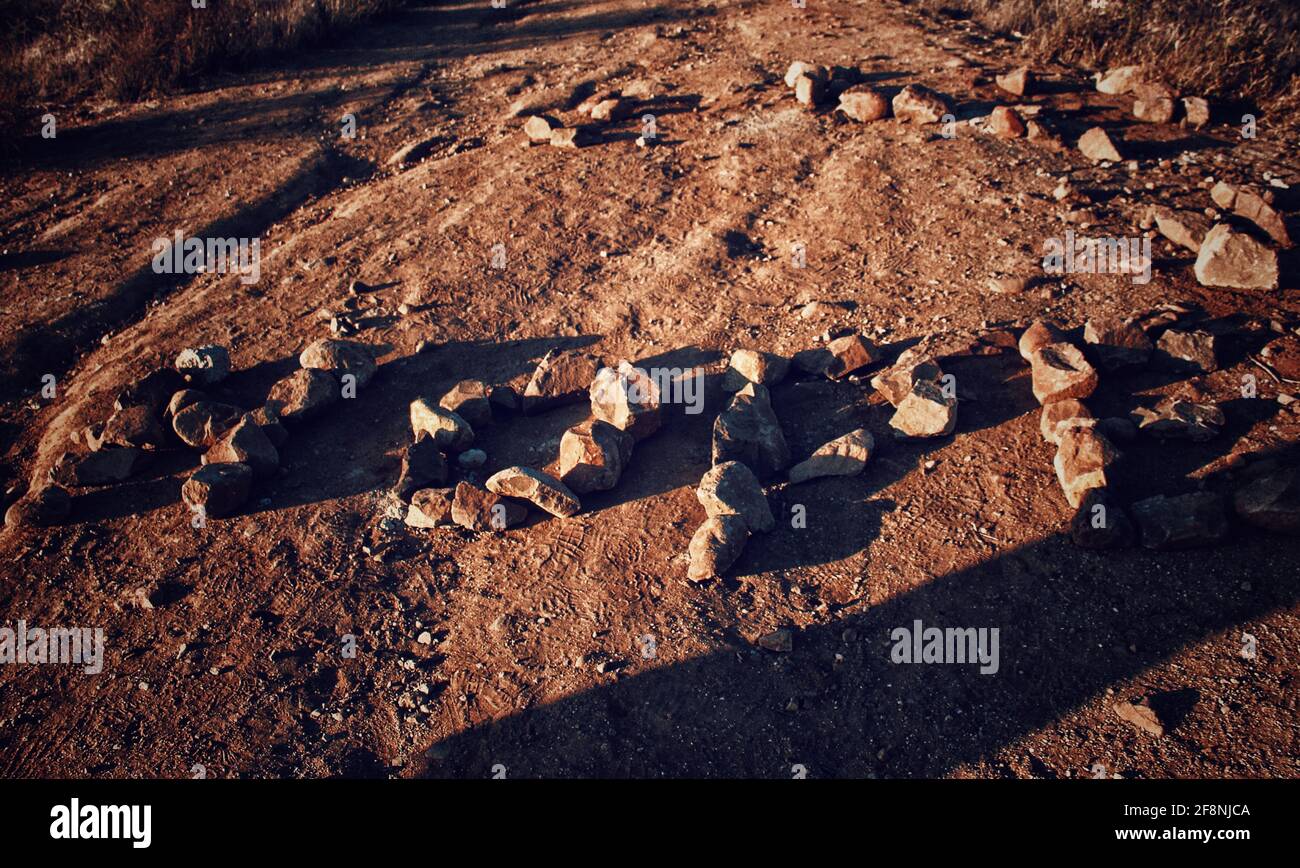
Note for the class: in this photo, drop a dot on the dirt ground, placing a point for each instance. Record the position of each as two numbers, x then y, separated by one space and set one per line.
226 644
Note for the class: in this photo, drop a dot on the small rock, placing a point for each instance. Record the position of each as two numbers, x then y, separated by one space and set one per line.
912 366
1197 111
182 399
863 104
538 129
1142 717
850 354
1059 412
1234 259
561 377
246 443
1019 81
430 507
1186 521
572 137
730 488
920 105
1039 334
748 431
1183 351
204 366
134 426
1254 206
612 110
814 361
1098 146
1271 501
1121 79
593 455
1100 523
341 358
928 411
628 399
1154 104
469 400
1177 419
780 641
479 510
218 489
1117 343
799 67
1005 123
504 398
716 545
303 395
1184 228
45 507
449 431
1060 371
844 456
423 466
543 490
472 459
152 391
754 366
1083 461
810 91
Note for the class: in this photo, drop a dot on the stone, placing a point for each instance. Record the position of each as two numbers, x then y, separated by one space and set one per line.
781 641
1117 429
45 507
471 459
107 466
1252 205
1005 123
1183 522
612 110
538 129
423 466
1228 258
1178 419
1101 523
449 431
1183 351
730 488
593 455
134 426
1083 461
1154 104
628 399
478 510
246 443
303 395
1117 343
1184 228
850 354
1039 334
748 431
1019 81
152 391
814 361
912 366
541 489
918 104
810 91
1097 145
269 421
863 104
1271 501
572 137
204 366
1197 111
469 400
929 410
716 545
218 490
846 455
1060 371
430 507
561 377
1061 412
1120 79
184 398
341 358
799 67
754 366
1141 717
504 398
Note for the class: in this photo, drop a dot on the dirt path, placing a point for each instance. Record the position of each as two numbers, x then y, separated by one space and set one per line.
225 645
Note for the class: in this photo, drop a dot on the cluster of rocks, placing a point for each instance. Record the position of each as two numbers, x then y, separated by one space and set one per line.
815 86
1086 455
603 108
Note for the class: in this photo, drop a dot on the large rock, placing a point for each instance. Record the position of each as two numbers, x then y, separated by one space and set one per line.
1083 460
1039 334
201 425
449 431
748 431
341 358
541 489
1186 521
469 400
248 444
304 394
593 455
1117 343
183 398
850 354
1178 419
1271 501
475 509
423 466
1097 145
204 366
731 488
1068 412
928 411
1187 352
716 545
1100 522
1251 204
912 366
107 466
1059 372
269 421
846 455
1234 259
628 399
560 378
134 426
863 104
430 507
919 105
754 366
44 507
218 490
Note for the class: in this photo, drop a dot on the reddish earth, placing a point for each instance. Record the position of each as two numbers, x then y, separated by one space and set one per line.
225 644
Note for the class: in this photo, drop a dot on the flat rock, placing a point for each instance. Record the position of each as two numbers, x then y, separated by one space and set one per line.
423 466
541 489
303 395
1101 523
475 509
754 366
341 358
204 366
218 490
731 488
561 377
1117 343
449 431
1083 460
927 411
1271 501
430 507
246 443
919 105
1183 522
1187 352
716 545
1060 371
469 400
593 455
748 431
1141 717
1179 419
1233 259
1253 205
1184 228
1097 145
45 507
846 455
628 399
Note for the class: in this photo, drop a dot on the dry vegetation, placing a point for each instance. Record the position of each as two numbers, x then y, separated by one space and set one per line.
1231 49
53 51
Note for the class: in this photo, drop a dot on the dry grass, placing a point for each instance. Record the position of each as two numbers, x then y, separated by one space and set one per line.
1228 49
53 51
